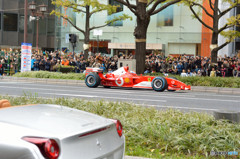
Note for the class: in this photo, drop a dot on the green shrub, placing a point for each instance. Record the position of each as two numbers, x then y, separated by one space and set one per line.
157 134
53 75
65 69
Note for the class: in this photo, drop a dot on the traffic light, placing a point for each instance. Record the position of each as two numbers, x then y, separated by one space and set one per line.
73 38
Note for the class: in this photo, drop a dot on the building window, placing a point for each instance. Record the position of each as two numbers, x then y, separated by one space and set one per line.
10 22
0 21
119 12
21 24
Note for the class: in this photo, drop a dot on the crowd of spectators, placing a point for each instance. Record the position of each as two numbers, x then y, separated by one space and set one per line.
193 66
184 65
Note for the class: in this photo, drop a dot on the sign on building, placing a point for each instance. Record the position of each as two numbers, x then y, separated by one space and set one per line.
97 32
26 50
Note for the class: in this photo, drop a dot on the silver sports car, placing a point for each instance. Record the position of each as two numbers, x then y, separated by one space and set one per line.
58 132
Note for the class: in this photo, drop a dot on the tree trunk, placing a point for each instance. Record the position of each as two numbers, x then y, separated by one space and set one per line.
214 51
140 34
87 31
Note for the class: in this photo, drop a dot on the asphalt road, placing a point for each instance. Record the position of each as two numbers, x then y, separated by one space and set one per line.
184 100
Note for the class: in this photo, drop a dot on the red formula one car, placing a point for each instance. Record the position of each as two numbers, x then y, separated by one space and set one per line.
123 78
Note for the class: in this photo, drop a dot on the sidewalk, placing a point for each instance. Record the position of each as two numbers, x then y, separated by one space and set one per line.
219 90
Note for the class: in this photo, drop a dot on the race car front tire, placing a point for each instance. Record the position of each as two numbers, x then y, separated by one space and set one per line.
92 80
159 84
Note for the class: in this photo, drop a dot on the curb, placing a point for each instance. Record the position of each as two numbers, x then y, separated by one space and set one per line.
133 157
219 90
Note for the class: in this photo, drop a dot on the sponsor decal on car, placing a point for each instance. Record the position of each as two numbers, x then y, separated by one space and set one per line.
119 81
127 80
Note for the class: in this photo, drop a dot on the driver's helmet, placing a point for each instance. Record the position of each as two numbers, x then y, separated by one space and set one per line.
126 68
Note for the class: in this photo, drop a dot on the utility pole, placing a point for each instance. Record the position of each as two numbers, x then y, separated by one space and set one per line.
25 21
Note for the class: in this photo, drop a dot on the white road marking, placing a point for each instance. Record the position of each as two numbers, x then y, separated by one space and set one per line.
144 105
95 91
123 92
175 107
170 107
75 95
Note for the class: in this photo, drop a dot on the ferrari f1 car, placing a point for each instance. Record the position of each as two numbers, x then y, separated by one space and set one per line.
125 78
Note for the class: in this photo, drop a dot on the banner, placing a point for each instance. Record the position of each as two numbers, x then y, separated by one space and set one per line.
26 50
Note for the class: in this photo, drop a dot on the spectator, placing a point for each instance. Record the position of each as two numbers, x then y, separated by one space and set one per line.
213 73
189 73
235 72
179 68
223 70
183 74
47 65
199 73
194 74
65 62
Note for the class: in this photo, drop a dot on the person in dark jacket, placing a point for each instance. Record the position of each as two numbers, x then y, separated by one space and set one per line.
179 68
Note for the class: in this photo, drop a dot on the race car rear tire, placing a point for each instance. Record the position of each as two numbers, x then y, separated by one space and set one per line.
92 80
175 79
159 84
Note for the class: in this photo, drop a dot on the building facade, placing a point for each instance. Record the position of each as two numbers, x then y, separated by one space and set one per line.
173 31
12 26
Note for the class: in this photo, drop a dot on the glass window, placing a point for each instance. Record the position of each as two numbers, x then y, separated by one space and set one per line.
10 22
51 26
165 17
42 26
119 12
21 24
0 21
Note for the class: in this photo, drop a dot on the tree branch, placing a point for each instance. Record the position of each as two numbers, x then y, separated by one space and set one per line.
79 10
79 29
151 10
226 11
127 4
197 4
226 26
92 28
223 45
150 3
130 6
95 11
199 19
210 4
165 6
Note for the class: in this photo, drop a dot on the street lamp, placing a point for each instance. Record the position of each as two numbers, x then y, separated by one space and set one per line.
38 13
